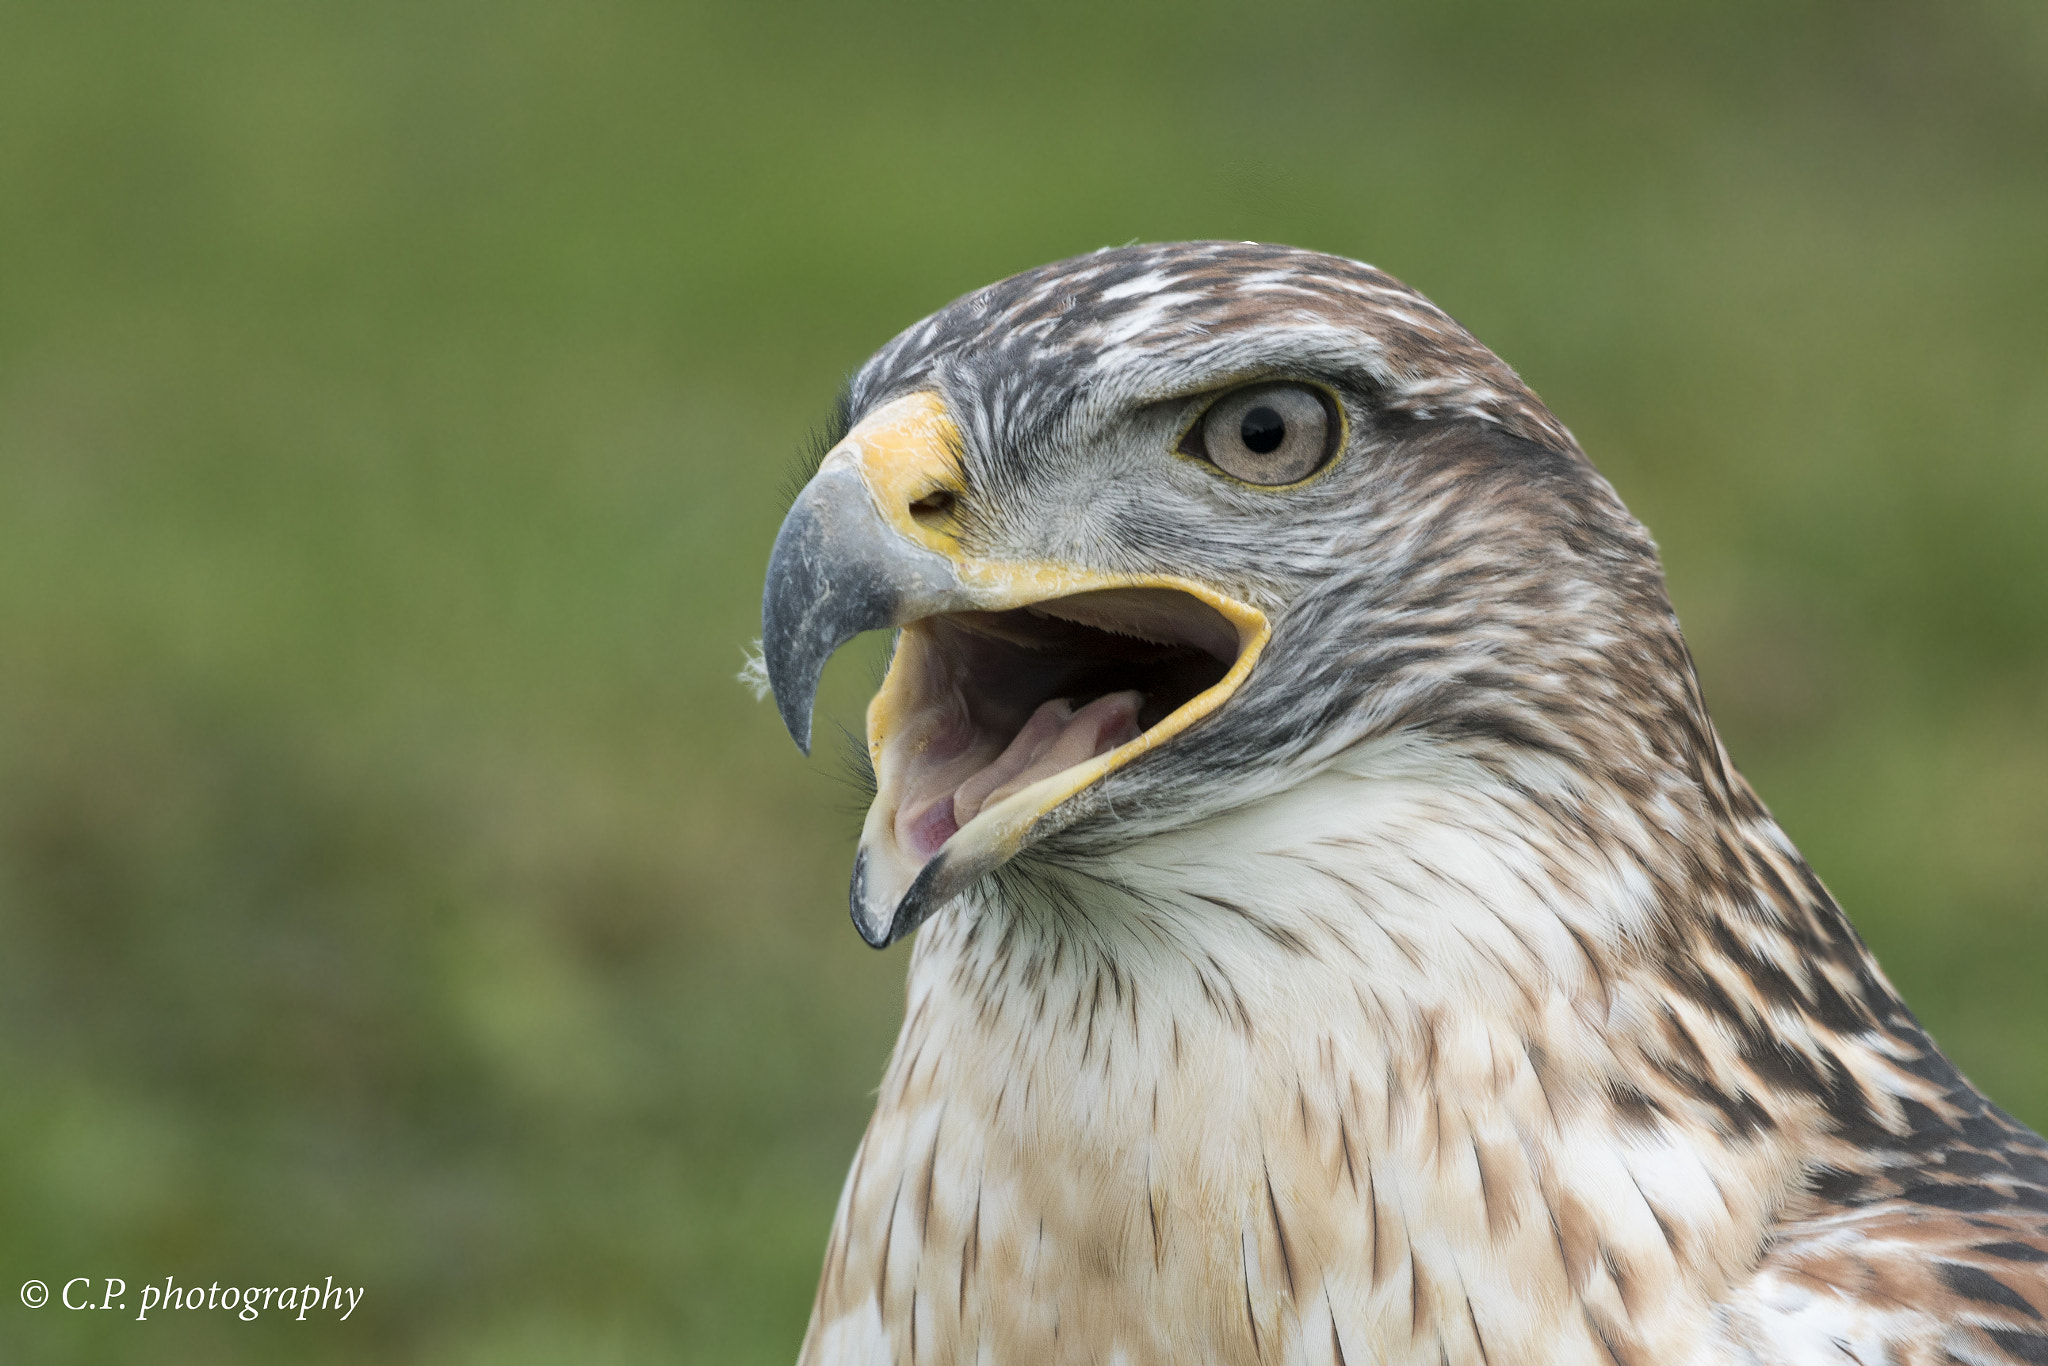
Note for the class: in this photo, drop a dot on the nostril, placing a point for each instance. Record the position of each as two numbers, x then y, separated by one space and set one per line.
933 508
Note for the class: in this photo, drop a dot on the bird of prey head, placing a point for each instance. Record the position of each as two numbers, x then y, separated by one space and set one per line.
1346 938
1167 528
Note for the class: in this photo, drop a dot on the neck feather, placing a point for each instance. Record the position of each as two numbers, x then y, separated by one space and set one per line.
1343 1065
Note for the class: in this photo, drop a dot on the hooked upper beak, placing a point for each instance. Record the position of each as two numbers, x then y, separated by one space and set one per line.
840 567
1015 685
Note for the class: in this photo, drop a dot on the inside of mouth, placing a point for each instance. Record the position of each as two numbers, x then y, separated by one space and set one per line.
1002 700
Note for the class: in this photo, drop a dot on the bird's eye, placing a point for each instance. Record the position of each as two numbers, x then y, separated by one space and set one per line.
1266 433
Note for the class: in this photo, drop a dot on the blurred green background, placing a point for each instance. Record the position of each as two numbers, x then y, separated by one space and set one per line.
396 403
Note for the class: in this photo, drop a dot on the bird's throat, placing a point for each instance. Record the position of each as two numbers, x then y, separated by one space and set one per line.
1253 1103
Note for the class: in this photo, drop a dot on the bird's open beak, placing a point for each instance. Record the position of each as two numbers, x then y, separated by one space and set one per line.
1015 684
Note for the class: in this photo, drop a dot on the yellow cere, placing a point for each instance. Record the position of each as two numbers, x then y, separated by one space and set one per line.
905 451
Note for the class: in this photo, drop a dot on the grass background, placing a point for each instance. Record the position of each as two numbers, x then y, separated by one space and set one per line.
395 401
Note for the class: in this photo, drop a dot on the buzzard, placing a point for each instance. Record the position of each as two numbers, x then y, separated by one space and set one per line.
1345 938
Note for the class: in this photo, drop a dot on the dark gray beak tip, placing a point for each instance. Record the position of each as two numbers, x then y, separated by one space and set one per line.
806 610
835 572
881 926
875 933
797 721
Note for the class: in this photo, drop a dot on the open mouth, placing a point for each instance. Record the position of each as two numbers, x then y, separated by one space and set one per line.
983 707
1017 683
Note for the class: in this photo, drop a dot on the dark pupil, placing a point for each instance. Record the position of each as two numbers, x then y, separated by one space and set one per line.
1262 430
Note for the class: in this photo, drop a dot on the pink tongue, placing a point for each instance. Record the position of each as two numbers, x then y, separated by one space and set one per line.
1055 739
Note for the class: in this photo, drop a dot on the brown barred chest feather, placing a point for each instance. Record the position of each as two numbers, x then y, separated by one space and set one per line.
1314 1126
